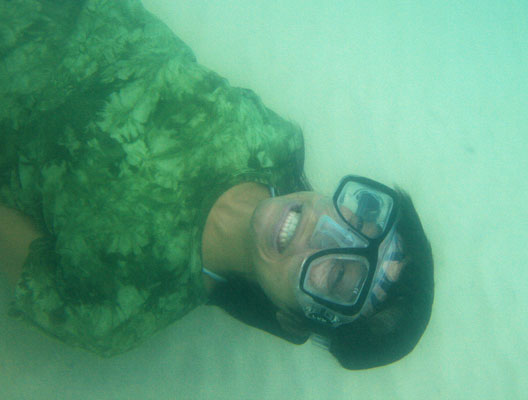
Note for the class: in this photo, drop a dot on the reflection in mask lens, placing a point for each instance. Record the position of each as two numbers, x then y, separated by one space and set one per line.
361 205
368 207
337 278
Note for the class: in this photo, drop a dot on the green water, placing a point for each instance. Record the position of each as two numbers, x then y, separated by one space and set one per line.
431 96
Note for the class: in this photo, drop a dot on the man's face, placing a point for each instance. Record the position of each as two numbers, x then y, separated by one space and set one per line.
281 229
277 263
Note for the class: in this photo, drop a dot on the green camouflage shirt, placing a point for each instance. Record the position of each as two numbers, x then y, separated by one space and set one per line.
117 144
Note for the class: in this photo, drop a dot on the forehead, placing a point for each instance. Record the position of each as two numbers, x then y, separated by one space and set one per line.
388 273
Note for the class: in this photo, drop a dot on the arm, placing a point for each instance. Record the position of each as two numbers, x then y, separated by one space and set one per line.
16 233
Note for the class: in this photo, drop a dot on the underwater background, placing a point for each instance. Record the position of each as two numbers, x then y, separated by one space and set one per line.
430 96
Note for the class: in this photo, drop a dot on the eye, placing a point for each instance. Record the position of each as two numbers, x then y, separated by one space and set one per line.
345 281
335 277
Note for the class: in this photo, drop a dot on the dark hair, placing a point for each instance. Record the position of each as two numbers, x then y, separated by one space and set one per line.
388 335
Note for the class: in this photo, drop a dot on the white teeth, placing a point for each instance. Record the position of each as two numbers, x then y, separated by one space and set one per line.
288 228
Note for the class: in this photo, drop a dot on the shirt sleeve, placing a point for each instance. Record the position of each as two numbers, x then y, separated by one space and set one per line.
99 312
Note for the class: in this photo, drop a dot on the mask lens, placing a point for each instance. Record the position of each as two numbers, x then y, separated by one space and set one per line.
337 278
365 209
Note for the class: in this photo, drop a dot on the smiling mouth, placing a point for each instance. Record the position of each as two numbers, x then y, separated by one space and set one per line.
287 227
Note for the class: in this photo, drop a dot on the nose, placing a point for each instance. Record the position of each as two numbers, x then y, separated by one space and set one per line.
311 213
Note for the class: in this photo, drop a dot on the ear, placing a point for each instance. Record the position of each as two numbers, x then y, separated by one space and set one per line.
292 324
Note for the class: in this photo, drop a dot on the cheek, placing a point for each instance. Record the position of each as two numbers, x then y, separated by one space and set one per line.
277 280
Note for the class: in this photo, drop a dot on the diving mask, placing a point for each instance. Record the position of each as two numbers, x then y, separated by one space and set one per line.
356 243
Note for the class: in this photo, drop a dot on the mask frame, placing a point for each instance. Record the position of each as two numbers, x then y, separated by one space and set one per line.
325 311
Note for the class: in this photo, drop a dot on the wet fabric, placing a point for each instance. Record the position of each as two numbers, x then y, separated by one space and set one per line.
117 143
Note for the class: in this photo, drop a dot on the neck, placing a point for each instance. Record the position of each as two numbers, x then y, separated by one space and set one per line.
226 243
